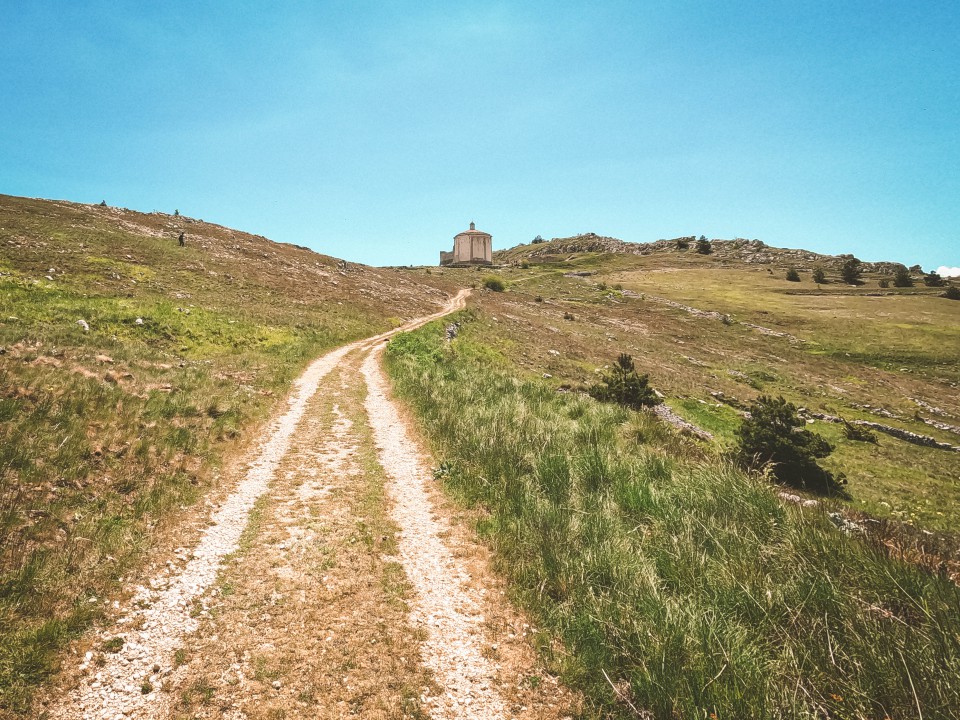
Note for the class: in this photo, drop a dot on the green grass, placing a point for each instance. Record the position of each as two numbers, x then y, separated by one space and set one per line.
860 349
99 457
685 581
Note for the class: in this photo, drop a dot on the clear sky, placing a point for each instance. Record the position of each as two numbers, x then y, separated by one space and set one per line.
375 131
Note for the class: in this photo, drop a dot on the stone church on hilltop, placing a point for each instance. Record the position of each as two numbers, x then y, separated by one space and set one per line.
471 247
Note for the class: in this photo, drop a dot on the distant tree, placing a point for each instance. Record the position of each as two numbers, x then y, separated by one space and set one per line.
850 271
884 283
622 385
703 246
819 277
176 213
774 437
933 279
537 240
683 243
103 203
952 293
793 275
901 278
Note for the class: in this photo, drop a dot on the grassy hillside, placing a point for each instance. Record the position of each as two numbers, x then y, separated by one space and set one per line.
715 333
111 427
664 582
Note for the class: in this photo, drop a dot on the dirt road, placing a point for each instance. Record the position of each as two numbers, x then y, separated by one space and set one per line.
334 580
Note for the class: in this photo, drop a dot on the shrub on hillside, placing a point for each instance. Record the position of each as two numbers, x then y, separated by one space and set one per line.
703 246
858 433
624 386
683 243
819 276
850 271
884 283
952 293
933 279
793 275
774 438
901 278
537 240
494 283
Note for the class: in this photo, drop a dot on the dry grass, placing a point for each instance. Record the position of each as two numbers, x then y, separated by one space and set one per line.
107 433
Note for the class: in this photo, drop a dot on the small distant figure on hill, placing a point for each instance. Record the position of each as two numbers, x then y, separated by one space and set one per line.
182 240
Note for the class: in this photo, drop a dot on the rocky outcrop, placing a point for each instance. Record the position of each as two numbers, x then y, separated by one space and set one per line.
750 252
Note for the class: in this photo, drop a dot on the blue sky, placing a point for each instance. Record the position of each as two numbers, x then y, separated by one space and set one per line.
377 131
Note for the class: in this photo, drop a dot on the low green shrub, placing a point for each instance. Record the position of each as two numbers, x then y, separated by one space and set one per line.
902 278
491 282
793 275
858 433
622 384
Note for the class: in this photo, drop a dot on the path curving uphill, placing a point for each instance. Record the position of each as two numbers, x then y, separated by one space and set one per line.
325 615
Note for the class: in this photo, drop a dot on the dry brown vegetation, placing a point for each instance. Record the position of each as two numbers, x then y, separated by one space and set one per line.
111 428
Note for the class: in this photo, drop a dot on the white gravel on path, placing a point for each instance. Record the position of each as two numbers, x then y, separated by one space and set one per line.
159 616
446 607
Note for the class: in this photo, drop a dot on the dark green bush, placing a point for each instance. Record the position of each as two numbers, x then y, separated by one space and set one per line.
819 276
793 275
952 293
933 279
773 437
624 386
494 283
857 433
901 278
884 283
850 271
683 243
703 246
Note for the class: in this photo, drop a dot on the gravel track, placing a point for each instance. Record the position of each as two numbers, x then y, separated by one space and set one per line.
446 607
160 613
458 626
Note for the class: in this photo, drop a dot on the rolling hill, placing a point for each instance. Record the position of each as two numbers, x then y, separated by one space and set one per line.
135 370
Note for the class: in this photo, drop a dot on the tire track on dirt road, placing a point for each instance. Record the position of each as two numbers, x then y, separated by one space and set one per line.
114 685
333 582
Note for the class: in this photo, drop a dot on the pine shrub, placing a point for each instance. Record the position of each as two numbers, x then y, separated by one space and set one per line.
901 278
774 438
624 386
793 275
